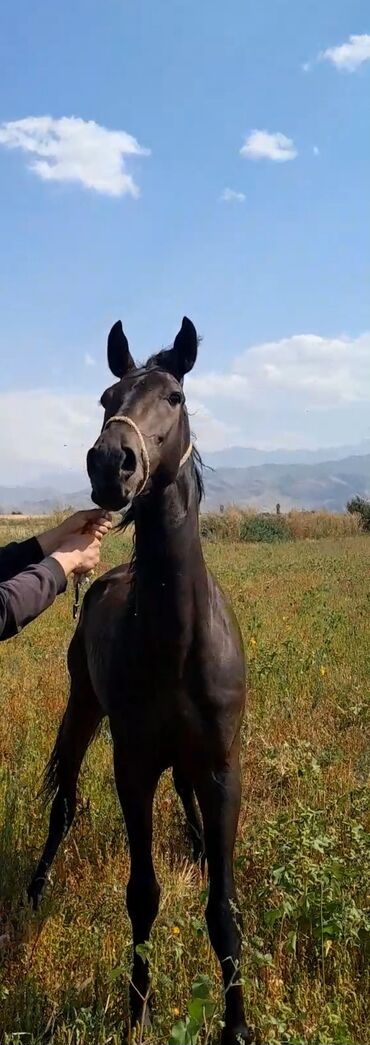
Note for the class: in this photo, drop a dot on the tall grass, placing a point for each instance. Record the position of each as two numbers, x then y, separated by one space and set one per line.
238 524
224 525
302 862
315 525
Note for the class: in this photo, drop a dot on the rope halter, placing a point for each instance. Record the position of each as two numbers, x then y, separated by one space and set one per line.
144 453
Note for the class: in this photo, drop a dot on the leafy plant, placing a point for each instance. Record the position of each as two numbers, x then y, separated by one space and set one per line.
265 528
199 1016
360 506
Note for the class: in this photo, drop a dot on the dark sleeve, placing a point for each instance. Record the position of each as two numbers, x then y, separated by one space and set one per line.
17 556
29 594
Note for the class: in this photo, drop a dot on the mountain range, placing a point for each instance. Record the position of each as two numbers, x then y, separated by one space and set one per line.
246 456
240 475
327 484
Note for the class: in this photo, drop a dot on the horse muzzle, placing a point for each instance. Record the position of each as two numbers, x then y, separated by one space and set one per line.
115 475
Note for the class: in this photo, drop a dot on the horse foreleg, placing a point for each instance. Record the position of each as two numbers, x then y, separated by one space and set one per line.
136 794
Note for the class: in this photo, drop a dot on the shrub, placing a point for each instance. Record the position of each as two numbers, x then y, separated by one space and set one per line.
265 528
359 506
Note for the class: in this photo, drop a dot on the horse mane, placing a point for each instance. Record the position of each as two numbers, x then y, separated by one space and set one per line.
198 470
157 358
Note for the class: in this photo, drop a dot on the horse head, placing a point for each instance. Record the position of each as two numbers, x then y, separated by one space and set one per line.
145 435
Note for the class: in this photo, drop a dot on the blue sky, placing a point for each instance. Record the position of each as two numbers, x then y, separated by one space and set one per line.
260 273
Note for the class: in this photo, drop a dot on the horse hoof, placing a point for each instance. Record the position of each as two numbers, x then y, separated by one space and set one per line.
237 1036
199 856
141 1020
134 1033
34 893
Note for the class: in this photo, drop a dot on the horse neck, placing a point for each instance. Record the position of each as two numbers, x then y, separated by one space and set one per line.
169 560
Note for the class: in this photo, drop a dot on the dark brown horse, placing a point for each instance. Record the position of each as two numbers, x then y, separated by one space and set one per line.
158 650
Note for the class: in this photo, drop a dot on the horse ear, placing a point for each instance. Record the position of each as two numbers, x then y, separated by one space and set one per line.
181 358
119 357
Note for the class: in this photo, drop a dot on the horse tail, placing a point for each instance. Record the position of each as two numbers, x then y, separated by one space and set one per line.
78 728
52 775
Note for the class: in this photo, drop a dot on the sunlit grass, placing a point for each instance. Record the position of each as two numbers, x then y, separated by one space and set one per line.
302 857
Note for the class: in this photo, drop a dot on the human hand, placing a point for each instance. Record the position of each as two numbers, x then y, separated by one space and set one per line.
79 554
94 521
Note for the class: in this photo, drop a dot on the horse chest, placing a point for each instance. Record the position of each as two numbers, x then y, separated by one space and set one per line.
162 718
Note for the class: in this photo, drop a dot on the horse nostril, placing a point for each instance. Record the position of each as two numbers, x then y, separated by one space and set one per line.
92 459
104 463
129 461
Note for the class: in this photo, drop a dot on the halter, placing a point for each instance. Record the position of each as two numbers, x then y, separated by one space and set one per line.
144 453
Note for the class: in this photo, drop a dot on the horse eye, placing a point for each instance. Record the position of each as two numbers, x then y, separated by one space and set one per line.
175 398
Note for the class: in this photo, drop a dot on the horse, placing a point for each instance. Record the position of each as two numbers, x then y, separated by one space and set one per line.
158 650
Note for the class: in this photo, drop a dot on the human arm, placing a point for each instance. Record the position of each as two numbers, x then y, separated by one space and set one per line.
16 556
32 591
25 596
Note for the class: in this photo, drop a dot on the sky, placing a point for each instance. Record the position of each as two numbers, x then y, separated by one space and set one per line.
177 157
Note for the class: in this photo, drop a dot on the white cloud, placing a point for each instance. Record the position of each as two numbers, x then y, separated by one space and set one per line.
46 432
350 55
321 373
261 145
41 430
212 385
74 150
300 391
89 361
316 150
231 196
210 432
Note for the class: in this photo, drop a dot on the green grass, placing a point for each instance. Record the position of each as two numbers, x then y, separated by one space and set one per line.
302 856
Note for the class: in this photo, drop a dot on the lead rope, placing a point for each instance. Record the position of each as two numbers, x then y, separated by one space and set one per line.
80 580
77 579
76 589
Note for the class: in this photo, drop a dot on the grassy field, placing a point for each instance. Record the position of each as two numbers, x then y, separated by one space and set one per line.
302 856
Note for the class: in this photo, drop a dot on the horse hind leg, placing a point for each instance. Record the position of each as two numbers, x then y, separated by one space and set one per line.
186 793
219 798
78 727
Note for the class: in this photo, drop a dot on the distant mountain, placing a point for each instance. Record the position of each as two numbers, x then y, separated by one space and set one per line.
246 457
29 499
41 500
326 484
323 484
60 482
66 479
